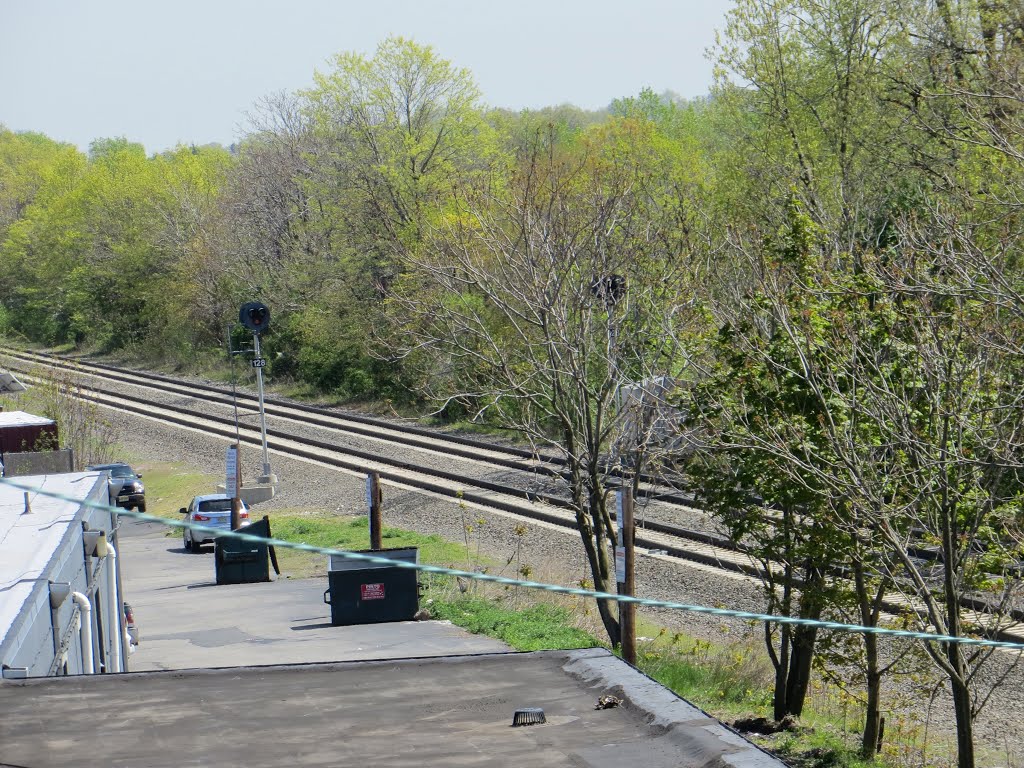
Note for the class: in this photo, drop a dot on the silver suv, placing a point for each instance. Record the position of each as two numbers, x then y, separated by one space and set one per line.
212 511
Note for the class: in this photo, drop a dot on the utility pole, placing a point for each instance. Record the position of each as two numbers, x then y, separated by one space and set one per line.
233 484
373 501
625 574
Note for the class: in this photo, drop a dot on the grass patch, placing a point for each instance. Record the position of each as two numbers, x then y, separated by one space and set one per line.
736 681
730 680
352 533
538 627
169 487
474 428
816 748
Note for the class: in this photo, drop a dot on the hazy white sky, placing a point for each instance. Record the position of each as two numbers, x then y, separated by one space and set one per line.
163 73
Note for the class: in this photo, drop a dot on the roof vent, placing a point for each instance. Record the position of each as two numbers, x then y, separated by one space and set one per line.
528 716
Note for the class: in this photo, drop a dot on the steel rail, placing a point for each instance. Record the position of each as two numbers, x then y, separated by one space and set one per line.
426 439
711 550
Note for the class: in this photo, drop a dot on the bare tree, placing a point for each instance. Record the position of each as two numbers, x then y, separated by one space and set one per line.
277 232
80 423
548 292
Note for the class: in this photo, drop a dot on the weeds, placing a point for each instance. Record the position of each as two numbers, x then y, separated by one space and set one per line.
80 423
539 627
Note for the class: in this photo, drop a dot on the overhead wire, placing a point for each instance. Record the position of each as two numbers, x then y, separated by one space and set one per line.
379 559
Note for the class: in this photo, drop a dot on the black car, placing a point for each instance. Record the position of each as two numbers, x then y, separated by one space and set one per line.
124 485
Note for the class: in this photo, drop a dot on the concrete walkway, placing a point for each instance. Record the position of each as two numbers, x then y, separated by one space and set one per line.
186 621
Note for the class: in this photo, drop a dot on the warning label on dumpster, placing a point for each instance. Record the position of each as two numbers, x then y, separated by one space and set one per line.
372 591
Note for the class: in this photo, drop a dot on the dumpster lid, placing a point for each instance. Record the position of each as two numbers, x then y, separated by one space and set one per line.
402 554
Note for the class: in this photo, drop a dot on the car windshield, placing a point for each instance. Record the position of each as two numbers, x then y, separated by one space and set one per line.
122 471
215 505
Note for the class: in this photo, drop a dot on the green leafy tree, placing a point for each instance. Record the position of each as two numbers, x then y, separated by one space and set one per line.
763 425
541 295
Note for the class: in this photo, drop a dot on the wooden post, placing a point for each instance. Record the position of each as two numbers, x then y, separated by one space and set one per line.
373 501
626 552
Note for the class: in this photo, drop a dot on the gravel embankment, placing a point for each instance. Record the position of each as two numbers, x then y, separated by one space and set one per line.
556 556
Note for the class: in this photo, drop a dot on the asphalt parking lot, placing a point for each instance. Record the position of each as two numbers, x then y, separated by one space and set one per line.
186 620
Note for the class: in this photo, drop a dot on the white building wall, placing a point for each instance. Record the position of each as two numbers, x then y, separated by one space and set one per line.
54 530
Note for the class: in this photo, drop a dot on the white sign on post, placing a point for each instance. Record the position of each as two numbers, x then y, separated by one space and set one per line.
620 565
231 473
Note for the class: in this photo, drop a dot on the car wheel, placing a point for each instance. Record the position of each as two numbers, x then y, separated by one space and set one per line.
141 507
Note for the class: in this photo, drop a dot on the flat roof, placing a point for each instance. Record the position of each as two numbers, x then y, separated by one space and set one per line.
28 540
399 712
22 419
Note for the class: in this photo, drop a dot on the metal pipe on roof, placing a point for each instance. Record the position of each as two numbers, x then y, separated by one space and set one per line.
85 627
116 612
59 591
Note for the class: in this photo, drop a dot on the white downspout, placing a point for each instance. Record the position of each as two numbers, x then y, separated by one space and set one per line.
116 611
85 626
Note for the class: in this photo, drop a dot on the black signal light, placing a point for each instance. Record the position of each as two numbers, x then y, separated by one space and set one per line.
255 316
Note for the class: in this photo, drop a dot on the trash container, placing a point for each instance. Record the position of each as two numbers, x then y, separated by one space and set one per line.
361 592
243 562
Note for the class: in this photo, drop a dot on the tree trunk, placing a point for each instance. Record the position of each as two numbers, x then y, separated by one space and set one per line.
872 733
779 706
962 708
799 678
958 678
804 638
599 572
954 652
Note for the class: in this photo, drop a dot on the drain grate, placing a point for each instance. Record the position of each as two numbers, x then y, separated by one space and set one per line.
528 716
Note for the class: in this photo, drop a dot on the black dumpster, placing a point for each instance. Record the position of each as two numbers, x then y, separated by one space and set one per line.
360 592
243 562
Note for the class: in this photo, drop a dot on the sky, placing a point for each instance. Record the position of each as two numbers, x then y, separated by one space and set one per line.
189 71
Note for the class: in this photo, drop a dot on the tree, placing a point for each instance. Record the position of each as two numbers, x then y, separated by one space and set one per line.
803 190
540 296
401 128
199 286
761 423
353 170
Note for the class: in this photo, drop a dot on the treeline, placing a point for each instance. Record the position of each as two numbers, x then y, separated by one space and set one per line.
316 212
804 290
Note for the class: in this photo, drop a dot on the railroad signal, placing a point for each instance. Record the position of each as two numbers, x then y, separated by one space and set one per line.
255 316
610 289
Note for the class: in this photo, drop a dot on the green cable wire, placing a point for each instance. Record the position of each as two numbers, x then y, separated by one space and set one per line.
555 588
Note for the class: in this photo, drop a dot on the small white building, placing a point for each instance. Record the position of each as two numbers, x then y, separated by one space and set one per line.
61 608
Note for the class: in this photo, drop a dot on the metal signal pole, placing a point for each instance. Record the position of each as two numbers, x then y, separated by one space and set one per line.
258 362
233 485
256 317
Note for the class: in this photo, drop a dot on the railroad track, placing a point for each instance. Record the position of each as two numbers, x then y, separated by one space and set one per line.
674 540
655 538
